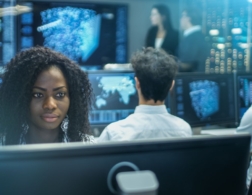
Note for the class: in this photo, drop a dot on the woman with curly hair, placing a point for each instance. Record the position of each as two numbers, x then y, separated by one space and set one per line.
44 98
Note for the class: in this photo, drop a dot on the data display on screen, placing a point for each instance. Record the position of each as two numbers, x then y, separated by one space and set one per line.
244 93
204 99
226 26
7 31
88 33
115 96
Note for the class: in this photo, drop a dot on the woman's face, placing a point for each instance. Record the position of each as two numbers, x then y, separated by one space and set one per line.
50 100
155 17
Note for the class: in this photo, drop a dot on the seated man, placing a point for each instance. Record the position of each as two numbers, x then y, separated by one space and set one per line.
246 126
154 76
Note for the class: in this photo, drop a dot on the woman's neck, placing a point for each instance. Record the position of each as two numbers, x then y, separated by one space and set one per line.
36 136
161 31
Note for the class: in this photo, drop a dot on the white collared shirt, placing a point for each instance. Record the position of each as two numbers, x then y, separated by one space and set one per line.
192 30
159 42
147 122
246 126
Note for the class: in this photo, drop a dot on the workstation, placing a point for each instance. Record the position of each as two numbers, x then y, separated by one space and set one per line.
100 43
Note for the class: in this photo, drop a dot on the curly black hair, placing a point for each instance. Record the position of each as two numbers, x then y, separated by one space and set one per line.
155 70
18 79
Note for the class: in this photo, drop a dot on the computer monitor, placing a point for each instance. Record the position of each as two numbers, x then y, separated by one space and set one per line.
198 165
204 99
92 34
7 31
244 93
115 96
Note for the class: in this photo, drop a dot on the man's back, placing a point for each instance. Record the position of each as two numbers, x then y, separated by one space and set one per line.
147 122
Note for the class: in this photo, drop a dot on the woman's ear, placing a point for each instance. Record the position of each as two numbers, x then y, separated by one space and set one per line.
137 83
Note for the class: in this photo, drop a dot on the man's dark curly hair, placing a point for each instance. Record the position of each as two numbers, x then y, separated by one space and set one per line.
155 70
16 92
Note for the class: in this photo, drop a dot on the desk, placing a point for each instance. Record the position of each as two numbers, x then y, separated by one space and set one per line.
219 131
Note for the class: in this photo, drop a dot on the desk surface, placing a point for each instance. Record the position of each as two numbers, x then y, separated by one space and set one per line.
218 131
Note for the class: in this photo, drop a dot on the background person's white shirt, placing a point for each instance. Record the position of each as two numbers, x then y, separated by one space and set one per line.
159 42
192 30
147 122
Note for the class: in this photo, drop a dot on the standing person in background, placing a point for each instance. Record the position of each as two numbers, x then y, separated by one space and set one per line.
44 98
193 49
161 34
155 71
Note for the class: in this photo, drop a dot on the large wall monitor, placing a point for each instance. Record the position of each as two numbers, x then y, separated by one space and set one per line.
197 165
204 99
88 33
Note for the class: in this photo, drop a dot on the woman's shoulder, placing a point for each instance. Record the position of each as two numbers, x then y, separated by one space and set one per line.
153 29
151 36
88 139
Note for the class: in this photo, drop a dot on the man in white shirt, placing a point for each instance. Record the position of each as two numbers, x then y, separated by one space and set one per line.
154 76
193 50
246 126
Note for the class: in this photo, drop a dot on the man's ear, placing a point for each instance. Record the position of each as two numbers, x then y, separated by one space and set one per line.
137 83
172 85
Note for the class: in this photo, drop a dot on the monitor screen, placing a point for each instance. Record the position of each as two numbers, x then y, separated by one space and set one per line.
244 93
204 99
197 165
88 33
115 96
7 30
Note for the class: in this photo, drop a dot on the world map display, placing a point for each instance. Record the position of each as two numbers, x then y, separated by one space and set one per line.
115 96
110 86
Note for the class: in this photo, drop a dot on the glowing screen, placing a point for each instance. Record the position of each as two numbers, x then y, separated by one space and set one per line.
204 99
90 34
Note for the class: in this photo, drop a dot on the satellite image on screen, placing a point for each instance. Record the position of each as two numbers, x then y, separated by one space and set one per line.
72 31
204 97
91 34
